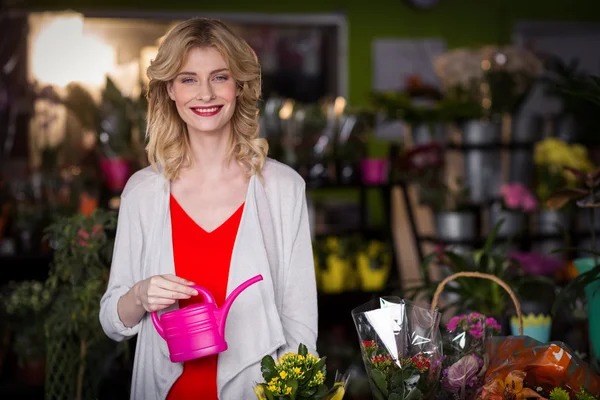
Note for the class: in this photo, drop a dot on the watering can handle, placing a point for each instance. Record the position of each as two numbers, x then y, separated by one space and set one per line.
208 298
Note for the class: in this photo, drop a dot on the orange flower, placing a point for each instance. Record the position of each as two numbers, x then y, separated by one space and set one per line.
511 388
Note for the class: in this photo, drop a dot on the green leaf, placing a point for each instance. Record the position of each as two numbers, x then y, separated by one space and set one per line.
561 197
294 385
302 350
267 367
414 394
378 378
459 262
492 237
569 295
427 260
397 380
395 396
321 391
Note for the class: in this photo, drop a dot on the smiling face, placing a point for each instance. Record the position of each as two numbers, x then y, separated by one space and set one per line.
204 92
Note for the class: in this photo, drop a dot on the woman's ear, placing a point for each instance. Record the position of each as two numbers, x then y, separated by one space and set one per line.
170 90
239 89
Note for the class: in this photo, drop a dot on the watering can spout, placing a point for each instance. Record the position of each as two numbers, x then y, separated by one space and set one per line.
224 310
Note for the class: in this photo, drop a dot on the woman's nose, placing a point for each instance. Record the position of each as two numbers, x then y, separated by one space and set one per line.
205 92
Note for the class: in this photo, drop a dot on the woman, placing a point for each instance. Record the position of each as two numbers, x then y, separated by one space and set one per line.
211 210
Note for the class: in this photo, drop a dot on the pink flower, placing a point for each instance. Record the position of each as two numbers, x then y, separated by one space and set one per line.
517 197
451 326
493 324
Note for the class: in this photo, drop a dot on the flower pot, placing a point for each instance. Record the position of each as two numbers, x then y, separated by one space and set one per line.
372 279
482 173
116 171
536 326
526 128
334 276
592 293
456 226
514 221
423 134
374 171
551 223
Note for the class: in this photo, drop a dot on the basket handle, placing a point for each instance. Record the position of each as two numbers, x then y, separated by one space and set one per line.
440 288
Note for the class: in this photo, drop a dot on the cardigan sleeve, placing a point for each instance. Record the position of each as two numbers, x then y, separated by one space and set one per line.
299 314
127 254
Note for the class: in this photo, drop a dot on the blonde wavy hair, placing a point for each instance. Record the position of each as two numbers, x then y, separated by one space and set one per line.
168 144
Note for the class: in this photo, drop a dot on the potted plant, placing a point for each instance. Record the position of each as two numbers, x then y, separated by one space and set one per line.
455 221
425 117
77 350
26 304
587 196
516 200
553 159
536 302
374 262
335 258
485 297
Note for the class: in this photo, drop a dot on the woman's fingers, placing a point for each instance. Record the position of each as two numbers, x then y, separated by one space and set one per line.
165 293
175 285
177 279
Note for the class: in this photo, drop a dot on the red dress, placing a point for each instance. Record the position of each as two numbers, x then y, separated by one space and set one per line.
203 258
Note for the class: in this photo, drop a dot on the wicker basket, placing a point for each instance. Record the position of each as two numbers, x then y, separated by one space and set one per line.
440 289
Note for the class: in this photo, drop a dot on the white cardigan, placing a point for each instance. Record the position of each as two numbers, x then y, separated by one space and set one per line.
270 317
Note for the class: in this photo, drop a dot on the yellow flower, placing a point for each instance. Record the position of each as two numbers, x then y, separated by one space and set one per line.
283 374
288 390
509 387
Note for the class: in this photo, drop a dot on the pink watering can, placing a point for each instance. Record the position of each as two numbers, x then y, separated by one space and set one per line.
198 330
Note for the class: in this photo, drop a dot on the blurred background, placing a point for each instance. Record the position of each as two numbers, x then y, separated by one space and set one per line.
417 124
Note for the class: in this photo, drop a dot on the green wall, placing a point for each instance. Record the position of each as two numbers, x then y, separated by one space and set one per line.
460 22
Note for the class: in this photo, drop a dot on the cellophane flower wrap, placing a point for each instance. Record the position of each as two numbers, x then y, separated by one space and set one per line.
523 368
465 358
401 346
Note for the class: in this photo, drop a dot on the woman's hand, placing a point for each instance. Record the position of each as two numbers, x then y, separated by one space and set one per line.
161 291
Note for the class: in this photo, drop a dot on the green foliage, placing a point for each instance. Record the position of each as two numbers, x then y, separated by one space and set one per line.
483 296
298 376
25 304
559 394
583 395
79 272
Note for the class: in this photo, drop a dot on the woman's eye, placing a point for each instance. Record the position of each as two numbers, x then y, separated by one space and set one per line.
187 80
221 78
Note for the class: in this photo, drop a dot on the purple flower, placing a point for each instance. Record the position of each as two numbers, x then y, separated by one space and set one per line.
537 263
461 372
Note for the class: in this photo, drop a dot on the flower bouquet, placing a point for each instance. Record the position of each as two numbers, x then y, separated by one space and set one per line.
401 348
298 376
523 368
465 359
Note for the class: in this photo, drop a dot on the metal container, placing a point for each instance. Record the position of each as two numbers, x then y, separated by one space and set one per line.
457 229
524 129
423 134
514 221
551 223
483 174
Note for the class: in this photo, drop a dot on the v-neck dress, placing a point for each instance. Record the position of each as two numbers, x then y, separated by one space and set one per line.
203 258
